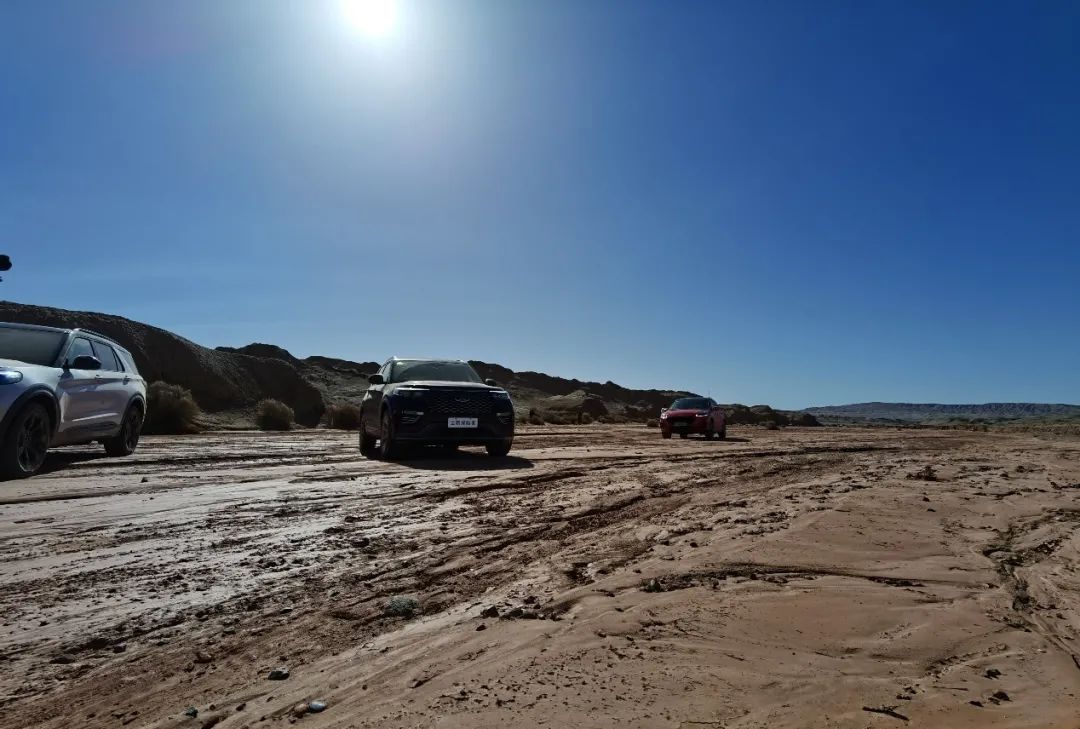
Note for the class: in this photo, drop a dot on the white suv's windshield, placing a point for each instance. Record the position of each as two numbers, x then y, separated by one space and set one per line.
32 346
412 370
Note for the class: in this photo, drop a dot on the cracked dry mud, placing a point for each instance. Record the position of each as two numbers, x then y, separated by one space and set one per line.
599 577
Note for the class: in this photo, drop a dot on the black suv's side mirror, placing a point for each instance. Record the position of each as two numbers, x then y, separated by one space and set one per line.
376 379
85 362
490 382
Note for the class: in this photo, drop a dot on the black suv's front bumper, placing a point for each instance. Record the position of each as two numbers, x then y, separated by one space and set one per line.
434 429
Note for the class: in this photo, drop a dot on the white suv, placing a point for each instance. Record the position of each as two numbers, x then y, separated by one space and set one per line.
64 387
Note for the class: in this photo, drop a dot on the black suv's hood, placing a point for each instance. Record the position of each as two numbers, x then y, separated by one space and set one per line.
443 385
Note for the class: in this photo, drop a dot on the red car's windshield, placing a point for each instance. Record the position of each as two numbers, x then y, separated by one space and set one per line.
690 403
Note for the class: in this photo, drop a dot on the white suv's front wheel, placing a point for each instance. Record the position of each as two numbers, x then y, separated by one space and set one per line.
26 442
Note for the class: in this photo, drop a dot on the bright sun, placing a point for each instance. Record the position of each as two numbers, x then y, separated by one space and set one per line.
370 17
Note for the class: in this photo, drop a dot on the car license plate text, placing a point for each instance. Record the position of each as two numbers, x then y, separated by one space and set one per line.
462 422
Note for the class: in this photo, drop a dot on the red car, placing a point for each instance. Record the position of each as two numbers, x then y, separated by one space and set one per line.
693 415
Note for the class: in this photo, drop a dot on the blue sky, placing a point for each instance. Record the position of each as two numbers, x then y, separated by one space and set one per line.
791 203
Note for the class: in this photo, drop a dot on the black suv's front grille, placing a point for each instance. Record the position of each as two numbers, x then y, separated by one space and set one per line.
459 402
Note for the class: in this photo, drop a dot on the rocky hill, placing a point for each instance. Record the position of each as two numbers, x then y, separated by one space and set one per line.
220 381
227 382
934 413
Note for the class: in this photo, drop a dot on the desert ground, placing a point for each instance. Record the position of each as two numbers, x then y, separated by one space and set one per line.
599 577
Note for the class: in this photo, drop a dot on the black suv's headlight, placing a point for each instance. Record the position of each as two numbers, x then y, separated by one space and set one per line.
500 394
410 392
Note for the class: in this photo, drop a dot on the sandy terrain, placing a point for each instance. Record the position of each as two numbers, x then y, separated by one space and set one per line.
779 579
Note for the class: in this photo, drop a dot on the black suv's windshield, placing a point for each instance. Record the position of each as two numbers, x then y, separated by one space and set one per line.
690 403
412 370
32 346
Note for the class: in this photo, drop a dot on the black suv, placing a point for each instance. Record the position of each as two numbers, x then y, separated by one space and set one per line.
433 402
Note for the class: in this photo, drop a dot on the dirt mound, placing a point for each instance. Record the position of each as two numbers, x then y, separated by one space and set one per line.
737 414
567 399
219 380
269 351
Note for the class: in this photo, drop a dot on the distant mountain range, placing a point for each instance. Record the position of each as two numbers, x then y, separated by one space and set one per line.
902 412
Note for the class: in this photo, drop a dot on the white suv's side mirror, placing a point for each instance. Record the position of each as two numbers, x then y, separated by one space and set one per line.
85 362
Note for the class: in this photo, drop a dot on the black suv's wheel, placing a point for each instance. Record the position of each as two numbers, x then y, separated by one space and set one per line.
388 448
367 443
23 451
126 441
501 448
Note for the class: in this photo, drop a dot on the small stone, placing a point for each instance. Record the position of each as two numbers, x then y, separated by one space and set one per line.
491 612
279 674
203 657
316 706
992 673
241 706
191 712
480 627
1001 696
119 648
299 710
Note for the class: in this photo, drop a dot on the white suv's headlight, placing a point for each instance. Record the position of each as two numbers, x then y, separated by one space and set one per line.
10 377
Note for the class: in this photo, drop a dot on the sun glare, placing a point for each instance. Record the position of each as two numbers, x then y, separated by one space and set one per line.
370 17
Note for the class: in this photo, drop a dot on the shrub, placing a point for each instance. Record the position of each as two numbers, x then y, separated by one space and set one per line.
402 606
273 415
586 419
652 423
535 418
172 410
343 415
771 425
